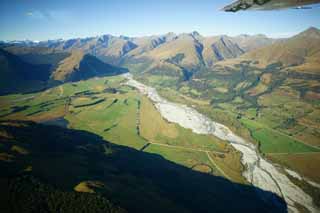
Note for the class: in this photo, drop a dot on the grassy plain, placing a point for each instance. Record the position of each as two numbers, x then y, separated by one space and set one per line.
306 164
273 141
155 129
188 158
230 163
280 113
119 114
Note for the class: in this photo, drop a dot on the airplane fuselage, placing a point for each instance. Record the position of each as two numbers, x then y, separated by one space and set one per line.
267 4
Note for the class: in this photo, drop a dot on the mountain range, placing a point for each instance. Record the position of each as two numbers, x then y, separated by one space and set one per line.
110 47
177 55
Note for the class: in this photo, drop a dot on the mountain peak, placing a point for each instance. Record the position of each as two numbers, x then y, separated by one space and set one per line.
124 37
195 33
251 36
261 35
312 29
170 34
311 32
243 36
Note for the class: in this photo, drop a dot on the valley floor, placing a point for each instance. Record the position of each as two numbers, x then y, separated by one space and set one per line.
118 113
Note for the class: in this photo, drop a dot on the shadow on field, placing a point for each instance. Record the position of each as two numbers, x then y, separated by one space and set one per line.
135 180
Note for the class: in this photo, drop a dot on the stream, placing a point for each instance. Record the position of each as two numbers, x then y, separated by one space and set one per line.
258 171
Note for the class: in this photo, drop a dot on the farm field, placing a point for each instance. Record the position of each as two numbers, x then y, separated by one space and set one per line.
281 144
155 129
306 164
273 141
189 158
118 114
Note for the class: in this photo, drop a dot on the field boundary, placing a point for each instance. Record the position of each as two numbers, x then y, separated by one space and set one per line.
280 133
296 153
196 150
295 139
219 169
186 148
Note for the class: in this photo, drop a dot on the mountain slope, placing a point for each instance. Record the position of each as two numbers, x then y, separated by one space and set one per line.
148 43
37 55
299 50
174 56
111 49
191 49
35 68
182 55
17 75
219 48
185 46
248 43
108 48
80 66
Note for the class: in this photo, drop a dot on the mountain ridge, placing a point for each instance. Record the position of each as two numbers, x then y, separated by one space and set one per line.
177 55
112 49
301 50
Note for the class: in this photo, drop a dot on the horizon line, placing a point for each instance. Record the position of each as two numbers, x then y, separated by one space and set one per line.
281 35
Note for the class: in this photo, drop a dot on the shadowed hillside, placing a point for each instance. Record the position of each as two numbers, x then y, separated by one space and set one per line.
17 75
28 69
37 55
79 66
139 182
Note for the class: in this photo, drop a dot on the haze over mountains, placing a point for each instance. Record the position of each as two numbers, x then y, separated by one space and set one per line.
197 48
302 49
179 54
170 54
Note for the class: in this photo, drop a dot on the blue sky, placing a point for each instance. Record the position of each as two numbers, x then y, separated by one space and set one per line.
44 19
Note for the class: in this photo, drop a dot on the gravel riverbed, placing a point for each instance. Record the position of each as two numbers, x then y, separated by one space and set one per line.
259 172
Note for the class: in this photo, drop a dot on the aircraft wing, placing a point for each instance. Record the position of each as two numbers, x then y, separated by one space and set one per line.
267 4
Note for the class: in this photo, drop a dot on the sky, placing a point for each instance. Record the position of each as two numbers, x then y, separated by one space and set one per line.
54 19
